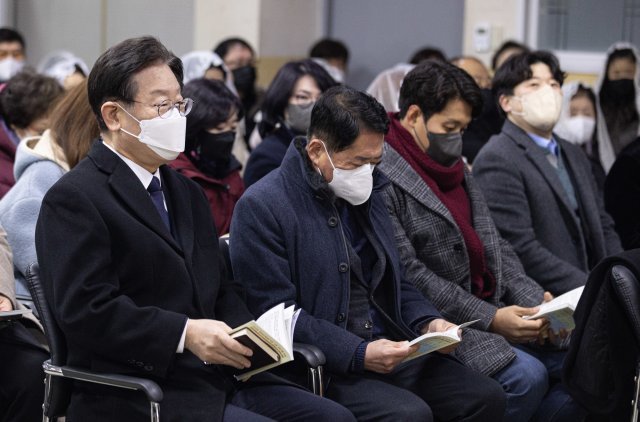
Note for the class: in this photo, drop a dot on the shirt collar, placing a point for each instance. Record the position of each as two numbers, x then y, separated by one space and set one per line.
141 173
540 141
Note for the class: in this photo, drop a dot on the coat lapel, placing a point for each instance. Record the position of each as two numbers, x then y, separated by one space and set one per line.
180 213
400 173
127 187
538 158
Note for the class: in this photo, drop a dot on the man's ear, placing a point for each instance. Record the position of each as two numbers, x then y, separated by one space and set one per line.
315 150
109 112
505 103
413 115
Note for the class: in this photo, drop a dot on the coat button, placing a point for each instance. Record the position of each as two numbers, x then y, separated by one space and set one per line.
341 317
332 221
458 247
368 325
343 267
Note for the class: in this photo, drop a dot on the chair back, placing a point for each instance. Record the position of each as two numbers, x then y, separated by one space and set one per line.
604 352
60 389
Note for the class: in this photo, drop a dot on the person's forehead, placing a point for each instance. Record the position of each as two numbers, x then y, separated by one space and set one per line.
156 80
367 145
541 71
10 46
238 51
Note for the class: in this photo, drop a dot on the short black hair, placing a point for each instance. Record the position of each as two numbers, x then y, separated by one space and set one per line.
277 96
225 45
111 78
328 48
27 97
342 113
11 35
432 84
213 104
517 69
427 53
504 47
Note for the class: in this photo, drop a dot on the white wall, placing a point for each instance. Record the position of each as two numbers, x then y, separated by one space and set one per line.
215 20
50 25
505 17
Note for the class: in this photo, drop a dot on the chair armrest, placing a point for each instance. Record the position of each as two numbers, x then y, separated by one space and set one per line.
310 353
149 387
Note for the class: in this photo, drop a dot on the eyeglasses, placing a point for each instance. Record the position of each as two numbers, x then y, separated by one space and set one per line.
184 107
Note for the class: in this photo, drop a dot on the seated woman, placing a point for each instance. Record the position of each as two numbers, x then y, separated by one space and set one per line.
68 69
286 113
21 351
577 124
25 102
40 162
207 159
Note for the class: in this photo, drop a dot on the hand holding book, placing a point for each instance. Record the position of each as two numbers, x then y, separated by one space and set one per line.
559 311
433 341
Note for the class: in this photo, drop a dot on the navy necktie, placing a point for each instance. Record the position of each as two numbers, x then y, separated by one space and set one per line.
155 191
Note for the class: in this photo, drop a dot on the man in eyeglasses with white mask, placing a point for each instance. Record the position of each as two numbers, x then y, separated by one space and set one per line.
129 256
316 233
540 188
542 196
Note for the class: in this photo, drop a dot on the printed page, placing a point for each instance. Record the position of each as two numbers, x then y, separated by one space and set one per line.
559 311
431 342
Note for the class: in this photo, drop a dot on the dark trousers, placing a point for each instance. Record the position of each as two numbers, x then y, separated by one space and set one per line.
283 403
21 375
435 387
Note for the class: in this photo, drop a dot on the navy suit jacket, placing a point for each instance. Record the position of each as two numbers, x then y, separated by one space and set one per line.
287 245
122 287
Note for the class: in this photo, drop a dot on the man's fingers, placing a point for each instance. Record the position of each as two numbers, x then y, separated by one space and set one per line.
235 346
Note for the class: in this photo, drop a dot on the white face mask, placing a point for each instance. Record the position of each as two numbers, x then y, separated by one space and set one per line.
577 129
9 67
163 135
540 108
354 186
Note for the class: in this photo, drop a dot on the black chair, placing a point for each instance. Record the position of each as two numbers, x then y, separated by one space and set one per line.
312 356
59 377
602 368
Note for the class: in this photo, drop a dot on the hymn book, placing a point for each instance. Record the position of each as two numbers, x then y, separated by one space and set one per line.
270 337
559 311
431 342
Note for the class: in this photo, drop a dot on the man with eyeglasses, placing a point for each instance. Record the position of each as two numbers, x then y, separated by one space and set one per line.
129 258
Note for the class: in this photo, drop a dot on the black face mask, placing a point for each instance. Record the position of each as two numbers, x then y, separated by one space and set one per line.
445 148
216 146
621 91
244 78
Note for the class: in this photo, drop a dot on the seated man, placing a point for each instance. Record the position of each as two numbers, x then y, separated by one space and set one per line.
447 240
130 263
316 233
540 188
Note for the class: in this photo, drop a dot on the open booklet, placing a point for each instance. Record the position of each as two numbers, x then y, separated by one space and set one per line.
431 342
270 337
559 311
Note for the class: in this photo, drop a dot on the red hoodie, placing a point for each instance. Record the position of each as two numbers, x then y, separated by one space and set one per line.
222 194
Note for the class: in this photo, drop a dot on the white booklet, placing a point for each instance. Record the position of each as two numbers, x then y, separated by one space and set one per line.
270 337
431 342
559 311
